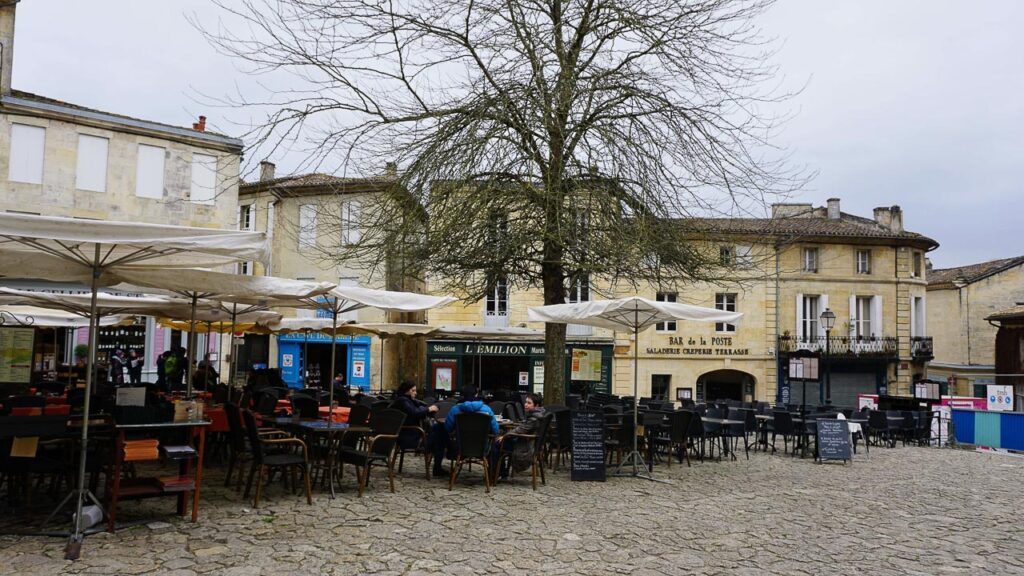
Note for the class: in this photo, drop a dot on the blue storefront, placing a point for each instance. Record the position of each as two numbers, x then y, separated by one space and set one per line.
352 359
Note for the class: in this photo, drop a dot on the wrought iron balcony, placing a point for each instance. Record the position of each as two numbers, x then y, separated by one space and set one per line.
922 348
843 346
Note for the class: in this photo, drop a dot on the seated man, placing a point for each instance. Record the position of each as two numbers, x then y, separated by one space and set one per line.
520 448
441 433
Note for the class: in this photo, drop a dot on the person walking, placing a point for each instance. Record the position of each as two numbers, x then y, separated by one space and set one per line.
135 363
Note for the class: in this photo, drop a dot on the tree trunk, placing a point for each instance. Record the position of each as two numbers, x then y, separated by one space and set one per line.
554 338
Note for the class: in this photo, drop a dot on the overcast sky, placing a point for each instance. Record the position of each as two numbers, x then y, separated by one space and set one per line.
916 102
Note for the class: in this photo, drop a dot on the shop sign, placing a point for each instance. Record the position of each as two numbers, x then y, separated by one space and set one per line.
1000 398
498 349
714 346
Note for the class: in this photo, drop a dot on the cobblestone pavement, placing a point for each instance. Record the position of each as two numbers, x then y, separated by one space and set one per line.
900 511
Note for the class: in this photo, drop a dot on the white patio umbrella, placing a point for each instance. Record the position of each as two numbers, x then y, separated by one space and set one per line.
385 330
39 317
634 314
343 299
255 292
61 249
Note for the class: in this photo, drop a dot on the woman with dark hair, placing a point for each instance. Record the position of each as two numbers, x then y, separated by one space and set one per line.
415 411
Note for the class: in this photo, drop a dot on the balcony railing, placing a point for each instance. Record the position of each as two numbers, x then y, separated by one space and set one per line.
495 320
843 346
578 330
922 348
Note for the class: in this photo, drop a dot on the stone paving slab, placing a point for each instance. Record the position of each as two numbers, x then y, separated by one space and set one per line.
900 511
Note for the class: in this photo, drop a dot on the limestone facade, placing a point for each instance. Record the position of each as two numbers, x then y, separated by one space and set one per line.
960 300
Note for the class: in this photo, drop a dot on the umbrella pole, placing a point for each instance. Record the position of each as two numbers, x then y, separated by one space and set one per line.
231 354
191 354
330 395
382 342
635 458
74 546
305 359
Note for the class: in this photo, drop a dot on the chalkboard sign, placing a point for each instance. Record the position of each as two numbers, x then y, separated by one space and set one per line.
833 440
587 446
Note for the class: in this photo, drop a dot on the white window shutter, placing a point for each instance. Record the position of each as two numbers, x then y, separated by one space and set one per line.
799 317
853 315
876 316
91 172
28 145
238 218
913 316
822 306
922 325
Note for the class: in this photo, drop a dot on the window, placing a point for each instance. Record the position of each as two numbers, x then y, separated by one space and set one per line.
726 255
809 306
579 289
91 172
270 235
246 221
307 226
204 179
917 265
862 317
27 143
810 259
496 306
149 172
350 231
917 318
744 255
863 261
660 385
665 326
725 302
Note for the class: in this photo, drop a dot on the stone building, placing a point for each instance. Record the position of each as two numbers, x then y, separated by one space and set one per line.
961 299
62 159
783 272
1009 351
306 217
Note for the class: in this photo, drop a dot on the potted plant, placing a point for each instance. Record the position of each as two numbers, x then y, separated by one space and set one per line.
81 353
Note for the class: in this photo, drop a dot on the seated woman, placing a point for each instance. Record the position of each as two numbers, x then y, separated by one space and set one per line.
520 448
415 411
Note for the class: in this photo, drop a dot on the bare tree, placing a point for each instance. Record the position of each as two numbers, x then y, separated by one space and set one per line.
540 142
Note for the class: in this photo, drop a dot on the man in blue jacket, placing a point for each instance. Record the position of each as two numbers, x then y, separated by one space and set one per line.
441 433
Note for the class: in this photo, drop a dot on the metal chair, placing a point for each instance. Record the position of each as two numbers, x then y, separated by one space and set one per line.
380 448
472 444
263 462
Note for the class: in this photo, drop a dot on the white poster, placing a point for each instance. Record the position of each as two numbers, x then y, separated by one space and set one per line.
524 379
443 379
1000 398
586 365
538 373
358 369
287 360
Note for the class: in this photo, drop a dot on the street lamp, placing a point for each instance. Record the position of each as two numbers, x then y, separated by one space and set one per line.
828 320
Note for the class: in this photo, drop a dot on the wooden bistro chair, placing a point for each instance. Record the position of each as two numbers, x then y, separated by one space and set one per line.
380 447
264 462
472 444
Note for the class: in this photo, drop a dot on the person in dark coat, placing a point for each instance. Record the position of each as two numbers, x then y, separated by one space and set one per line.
520 448
135 363
161 377
414 410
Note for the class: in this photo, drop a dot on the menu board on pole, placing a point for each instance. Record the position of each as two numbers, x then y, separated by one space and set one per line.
16 346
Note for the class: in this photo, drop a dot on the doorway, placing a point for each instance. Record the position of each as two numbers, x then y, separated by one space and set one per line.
727 385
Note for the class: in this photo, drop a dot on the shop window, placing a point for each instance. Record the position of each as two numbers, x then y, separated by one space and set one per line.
660 385
665 326
726 302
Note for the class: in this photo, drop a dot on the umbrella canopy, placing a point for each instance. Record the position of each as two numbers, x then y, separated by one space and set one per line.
634 314
300 325
82 304
38 317
218 321
480 332
250 290
27 239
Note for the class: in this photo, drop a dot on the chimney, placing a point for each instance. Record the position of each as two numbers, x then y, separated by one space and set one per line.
896 224
791 210
833 209
6 45
201 125
883 217
391 169
928 264
266 170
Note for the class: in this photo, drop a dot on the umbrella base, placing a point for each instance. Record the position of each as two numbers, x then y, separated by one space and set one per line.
74 546
635 460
